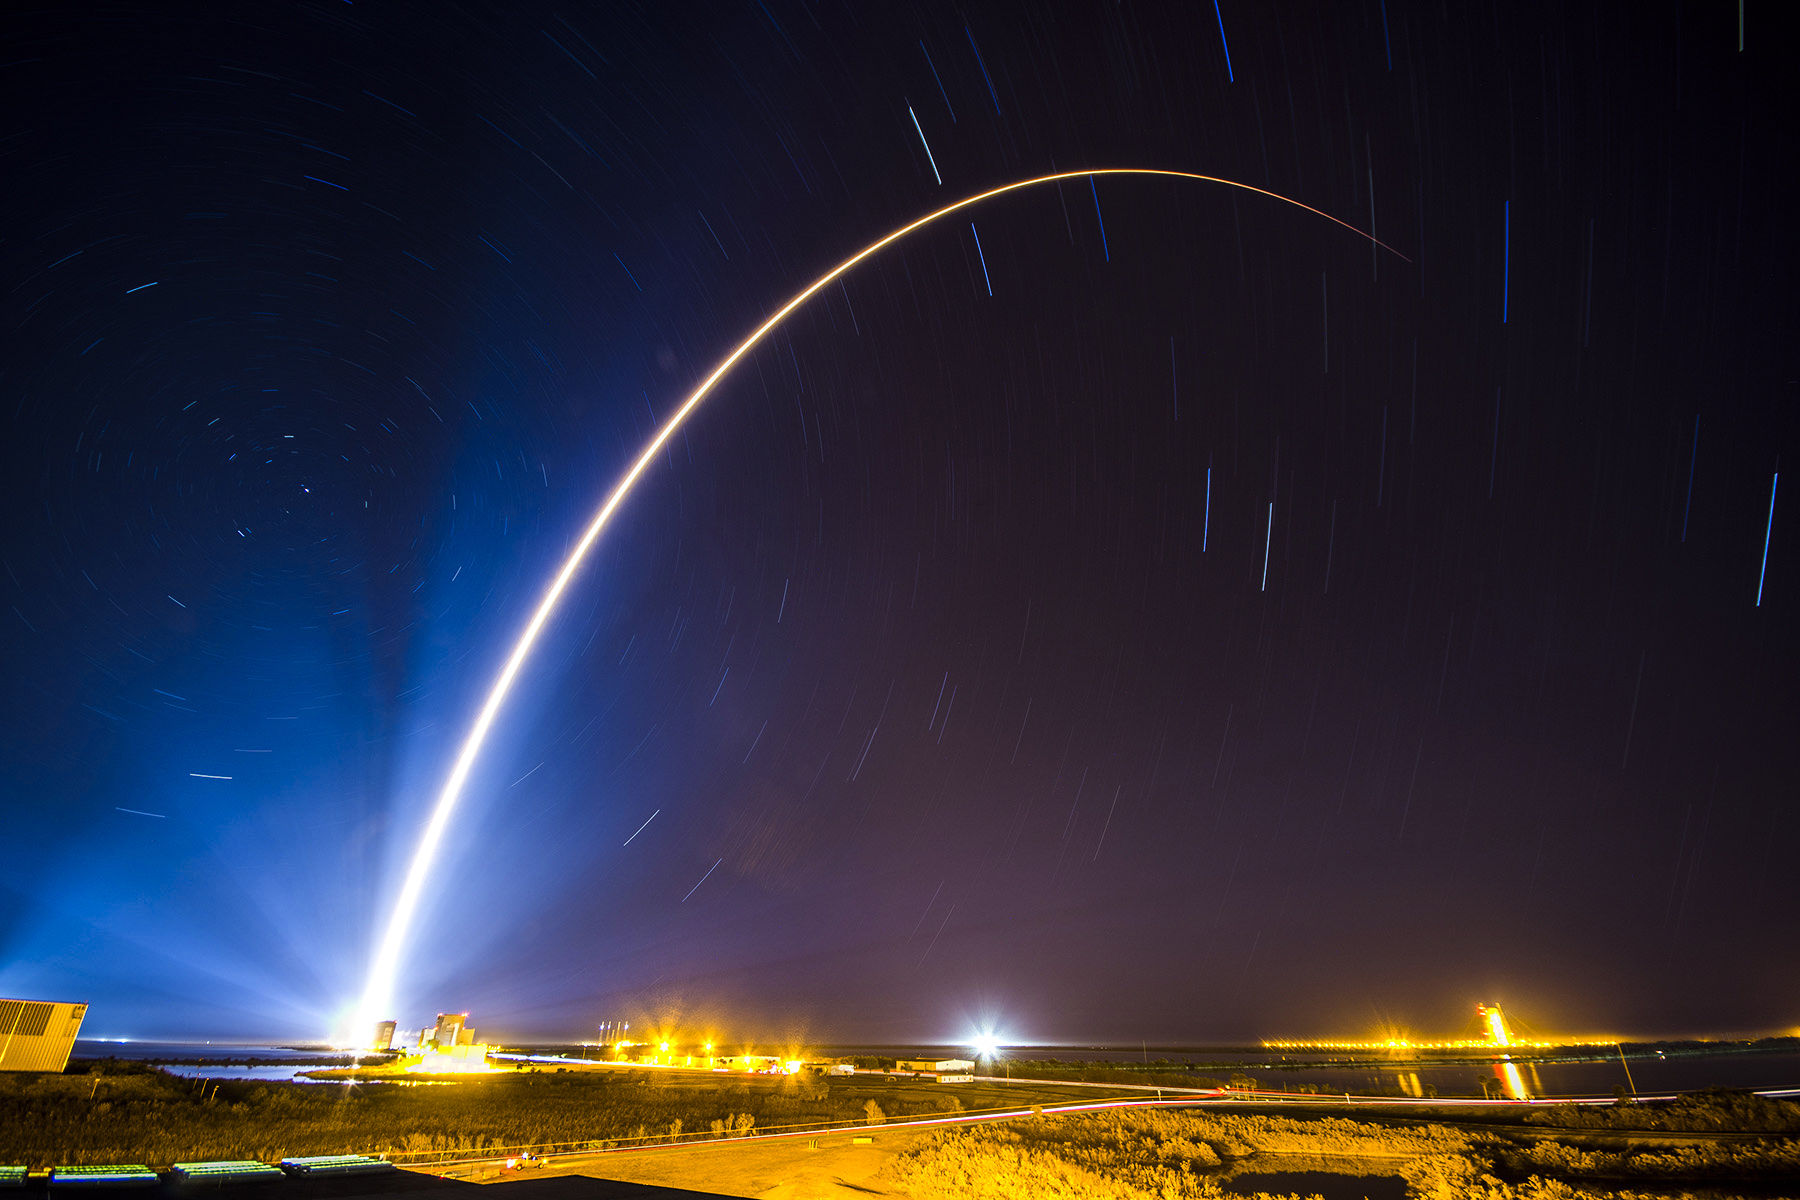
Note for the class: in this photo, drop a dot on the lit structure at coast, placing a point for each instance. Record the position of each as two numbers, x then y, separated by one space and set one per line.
448 1047
1496 1035
1402 1043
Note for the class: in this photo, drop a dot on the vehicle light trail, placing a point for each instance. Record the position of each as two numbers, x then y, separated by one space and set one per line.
378 994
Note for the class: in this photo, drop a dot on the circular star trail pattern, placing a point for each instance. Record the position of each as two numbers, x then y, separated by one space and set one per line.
1136 611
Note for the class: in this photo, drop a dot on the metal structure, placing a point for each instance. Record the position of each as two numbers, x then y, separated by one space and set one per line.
1494 1021
36 1035
452 1030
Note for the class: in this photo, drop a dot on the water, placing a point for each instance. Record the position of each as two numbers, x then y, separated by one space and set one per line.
136 1051
1328 1184
217 1060
273 1074
1521 1078
1652 1072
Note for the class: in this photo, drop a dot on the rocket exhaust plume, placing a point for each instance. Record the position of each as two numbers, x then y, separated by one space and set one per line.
378 993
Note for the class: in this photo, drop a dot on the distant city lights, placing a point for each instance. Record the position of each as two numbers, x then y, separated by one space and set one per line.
1498 1035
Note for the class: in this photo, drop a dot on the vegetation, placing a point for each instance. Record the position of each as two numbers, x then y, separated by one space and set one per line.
1460 1177
1697 1163
1715 1111
129 1112
1127 1154
1000 1162
1121 1155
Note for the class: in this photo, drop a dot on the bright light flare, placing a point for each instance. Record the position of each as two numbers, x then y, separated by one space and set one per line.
1495 1022
985 1044
378 994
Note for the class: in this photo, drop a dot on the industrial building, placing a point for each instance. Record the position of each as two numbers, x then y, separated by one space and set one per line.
452 1060
36 1035
452 1029
946 1070
384 1035
449 1047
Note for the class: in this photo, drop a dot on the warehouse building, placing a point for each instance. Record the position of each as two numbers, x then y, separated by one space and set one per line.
36 1035
945 1070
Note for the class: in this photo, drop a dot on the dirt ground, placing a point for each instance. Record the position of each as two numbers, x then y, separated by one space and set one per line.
771 1169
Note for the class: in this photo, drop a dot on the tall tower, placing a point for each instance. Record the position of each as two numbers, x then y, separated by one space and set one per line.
449 1028
1495 1023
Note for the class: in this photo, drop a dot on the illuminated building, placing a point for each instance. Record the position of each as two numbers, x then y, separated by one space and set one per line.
946 1070
36 1035
459 1059
449 1048
384 1036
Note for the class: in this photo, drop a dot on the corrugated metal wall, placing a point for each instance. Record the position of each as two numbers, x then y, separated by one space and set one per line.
37 1036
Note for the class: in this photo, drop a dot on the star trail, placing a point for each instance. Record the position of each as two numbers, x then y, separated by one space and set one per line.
1136 622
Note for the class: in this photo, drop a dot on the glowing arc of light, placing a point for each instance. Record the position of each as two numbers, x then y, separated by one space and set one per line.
378 993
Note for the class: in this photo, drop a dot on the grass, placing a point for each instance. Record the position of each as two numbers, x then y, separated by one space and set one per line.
119 1112
1171 1155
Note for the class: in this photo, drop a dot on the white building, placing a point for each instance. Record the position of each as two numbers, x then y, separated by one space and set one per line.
947 1070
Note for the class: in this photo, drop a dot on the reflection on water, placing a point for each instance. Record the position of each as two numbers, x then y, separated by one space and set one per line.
1515 1081
288 1074
1331 1185
222 1071
1512 1080
1600 1075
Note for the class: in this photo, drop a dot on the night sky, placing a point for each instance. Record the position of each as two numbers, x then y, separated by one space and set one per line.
1222 629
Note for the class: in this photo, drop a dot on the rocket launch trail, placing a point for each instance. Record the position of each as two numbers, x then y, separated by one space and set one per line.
378 993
